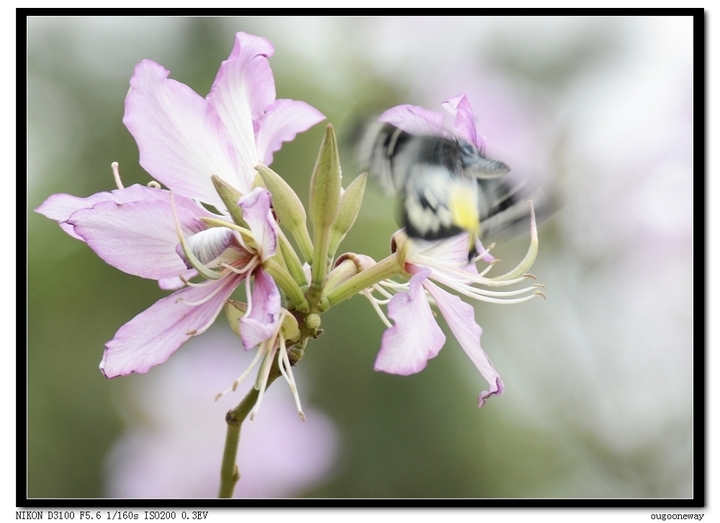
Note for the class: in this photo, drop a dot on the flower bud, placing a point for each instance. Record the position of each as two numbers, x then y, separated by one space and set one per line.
350 203
325 188
290 329
289 208
230 197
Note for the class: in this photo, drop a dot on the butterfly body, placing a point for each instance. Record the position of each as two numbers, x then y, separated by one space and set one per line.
445 185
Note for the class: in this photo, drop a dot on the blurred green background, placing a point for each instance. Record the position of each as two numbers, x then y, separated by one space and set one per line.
598 377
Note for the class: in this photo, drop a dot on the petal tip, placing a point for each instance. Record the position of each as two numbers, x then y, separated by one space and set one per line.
496 391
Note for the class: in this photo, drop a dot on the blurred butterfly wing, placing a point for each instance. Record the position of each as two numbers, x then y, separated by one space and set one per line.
424 171
426 201
377 153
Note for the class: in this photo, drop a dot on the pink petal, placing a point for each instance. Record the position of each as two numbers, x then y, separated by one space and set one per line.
414 120
181 139
139 237
460 317
243 89
415 337
281 122
59 207
487 257
448 251
153 335
262 322
258 215
248 51
173 284
208 244
465 121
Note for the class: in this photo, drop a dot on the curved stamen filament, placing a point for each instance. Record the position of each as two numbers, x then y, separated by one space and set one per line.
382 291
269 348
464 275
218 288
242 377
479 256
375 306
395 285
476 294
248 267
468 290
286 370
116 174
489 296
248 295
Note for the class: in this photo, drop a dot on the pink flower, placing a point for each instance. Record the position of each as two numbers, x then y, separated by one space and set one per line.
418 120
415 337
183 140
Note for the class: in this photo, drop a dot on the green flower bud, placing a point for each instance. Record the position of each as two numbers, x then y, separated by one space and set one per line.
345 268
325 187
230 197
312 321
289 209
350 202
290 329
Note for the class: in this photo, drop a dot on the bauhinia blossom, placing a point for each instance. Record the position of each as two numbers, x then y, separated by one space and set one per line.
185 139
415 336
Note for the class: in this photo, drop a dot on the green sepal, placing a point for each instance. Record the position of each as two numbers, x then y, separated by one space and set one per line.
289 209
325 187
230 197
350 203
289 328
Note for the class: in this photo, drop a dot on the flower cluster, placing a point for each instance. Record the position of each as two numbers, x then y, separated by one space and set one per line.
192 145
213 153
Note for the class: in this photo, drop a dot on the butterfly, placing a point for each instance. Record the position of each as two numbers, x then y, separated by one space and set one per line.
445 185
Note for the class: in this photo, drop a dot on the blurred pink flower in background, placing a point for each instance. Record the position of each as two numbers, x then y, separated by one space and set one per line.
173 443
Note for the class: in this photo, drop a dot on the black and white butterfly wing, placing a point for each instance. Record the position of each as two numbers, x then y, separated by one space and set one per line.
445 185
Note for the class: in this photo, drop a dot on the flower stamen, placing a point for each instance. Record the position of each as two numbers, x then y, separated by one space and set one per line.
248 294
264 373
207 298
376 306
286 370
116 174
249 267
242 377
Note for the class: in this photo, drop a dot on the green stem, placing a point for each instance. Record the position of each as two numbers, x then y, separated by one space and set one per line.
387 268
229 472
321 238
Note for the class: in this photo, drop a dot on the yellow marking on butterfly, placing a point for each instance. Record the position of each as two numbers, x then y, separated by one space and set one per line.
464 211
